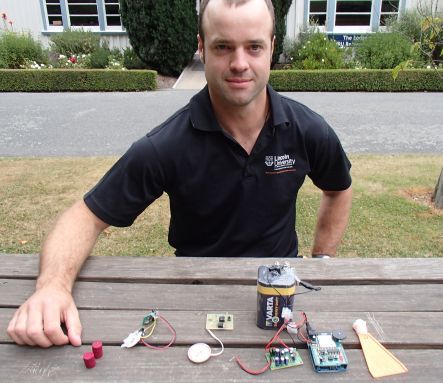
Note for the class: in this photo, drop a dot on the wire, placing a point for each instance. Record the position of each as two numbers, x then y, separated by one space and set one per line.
219 341
164 347
151 327
267 347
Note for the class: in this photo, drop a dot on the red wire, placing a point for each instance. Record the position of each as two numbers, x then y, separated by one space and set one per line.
267 347
161 348
298 325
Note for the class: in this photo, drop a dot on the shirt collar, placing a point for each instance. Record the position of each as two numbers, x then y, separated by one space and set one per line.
203 116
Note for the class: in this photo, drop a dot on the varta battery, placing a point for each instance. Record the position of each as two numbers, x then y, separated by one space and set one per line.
275 290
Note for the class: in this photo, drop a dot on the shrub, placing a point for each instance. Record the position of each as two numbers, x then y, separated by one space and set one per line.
163 33
17 50
131 60
408 25
74 42
281 8
99 58
318 52
59 80
345 80
383 50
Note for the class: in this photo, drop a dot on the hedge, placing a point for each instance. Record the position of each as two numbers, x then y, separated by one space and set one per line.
410 80
78 80
102 80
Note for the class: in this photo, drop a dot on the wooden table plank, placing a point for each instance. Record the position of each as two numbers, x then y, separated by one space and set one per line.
131 296
238 271
64 364
395 330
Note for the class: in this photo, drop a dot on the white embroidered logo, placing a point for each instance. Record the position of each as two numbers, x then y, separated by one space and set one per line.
269 160
280 162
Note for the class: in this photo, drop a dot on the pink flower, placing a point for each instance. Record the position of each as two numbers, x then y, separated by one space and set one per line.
73 59
4 17
10 22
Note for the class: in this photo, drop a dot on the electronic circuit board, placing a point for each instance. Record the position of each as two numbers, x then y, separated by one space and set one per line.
220 321
283 358
327 353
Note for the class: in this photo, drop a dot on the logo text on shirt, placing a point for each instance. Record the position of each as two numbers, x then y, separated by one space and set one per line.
280 164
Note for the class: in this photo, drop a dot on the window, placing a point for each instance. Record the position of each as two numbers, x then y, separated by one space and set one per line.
317 12
90 14
351 16
54 13
355 13
83 13
112 9
389 9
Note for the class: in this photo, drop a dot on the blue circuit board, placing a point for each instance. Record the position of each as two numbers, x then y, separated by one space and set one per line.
327 353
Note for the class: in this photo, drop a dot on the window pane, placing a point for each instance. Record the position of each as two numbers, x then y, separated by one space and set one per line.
344 20
83 9
389 6
112 9
354 6
84 21
111 1
82 1
52 1
317 20
317 6
55 20
54 10
113 20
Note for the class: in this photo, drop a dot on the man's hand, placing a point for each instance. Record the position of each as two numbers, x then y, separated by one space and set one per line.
37 321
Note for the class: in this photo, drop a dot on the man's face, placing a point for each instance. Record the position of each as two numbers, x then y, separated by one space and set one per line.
237 51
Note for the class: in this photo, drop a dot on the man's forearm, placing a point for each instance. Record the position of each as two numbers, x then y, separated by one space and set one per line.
68 245
332 220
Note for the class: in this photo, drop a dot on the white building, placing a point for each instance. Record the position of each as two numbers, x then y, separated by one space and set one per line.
344 19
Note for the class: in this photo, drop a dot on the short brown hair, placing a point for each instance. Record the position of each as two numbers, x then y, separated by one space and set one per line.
204 4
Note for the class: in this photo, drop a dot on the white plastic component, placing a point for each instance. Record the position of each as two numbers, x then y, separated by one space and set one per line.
286 314
132 339
199 352
360 326
291 328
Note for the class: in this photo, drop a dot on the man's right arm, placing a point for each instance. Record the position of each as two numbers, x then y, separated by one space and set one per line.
37 321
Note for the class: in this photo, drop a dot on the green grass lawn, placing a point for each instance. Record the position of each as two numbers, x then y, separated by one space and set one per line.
391 215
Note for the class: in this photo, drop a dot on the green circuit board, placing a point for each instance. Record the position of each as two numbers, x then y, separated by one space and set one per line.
291 355
220 321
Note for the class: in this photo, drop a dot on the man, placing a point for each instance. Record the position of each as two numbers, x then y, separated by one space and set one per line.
231 161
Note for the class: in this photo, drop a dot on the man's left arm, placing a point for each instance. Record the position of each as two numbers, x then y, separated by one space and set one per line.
333 216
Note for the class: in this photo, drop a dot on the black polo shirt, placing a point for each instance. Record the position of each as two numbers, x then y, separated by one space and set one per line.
224 202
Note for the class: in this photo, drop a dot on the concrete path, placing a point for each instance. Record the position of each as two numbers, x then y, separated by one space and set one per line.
86 124
192 77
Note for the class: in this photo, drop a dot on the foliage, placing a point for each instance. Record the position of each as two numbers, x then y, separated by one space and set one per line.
408 25
131 60
318 52
17 49
281 8
60 80
99 58
411 80
383 50
424 28
162 33
74 42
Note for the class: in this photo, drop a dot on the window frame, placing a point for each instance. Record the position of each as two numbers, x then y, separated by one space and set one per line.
48 26
331 13
101 15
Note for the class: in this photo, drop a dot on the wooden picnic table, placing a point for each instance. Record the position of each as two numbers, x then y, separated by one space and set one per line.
400 299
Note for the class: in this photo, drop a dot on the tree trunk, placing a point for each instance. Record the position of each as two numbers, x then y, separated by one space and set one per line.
437 197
